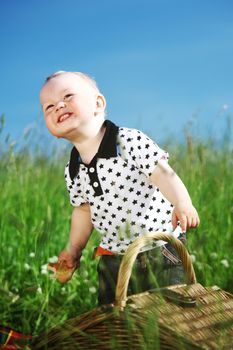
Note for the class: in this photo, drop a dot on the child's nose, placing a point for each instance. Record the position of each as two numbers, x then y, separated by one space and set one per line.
59 105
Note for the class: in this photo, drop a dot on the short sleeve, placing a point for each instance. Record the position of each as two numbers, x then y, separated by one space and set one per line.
74 189
143 150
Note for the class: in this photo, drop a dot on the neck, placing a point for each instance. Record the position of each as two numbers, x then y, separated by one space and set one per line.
88 141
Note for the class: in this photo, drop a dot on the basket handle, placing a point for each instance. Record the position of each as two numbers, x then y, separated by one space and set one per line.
129 258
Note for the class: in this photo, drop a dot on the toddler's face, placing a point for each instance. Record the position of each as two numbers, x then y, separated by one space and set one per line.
68 103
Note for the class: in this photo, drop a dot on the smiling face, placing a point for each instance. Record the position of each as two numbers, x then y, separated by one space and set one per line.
70 103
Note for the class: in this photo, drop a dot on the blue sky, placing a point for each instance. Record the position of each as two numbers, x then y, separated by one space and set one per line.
160 64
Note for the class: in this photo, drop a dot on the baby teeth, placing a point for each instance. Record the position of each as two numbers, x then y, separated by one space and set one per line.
63 117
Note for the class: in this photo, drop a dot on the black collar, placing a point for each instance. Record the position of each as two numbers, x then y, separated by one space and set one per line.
107 149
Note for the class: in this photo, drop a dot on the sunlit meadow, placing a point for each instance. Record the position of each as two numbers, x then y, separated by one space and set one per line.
34 219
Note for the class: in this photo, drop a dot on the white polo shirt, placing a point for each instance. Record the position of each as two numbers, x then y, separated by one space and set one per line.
124 203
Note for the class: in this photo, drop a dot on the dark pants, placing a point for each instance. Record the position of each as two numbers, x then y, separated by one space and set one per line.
155 268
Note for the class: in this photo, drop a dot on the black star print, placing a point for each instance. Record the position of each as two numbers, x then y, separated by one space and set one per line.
123 220
146 217
101 166
113 183
115 195
107 190
135 201
131 189
103 178
147 145
158 210
138 193
163 222
118 174
162 200
113 216
110 170
139 214
109 204
142 205
121 187
168 212
125 199
119 208
115 161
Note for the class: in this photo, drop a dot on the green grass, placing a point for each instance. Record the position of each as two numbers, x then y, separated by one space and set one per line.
34 221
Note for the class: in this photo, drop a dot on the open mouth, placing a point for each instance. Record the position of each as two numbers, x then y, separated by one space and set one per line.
64 117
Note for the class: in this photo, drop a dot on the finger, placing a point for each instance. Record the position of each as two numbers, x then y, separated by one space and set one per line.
174 220
183 223
195 221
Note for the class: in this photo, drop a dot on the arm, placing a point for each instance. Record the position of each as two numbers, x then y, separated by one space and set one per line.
175 191
80 231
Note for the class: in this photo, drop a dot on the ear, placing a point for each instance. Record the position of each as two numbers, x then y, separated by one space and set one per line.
100 104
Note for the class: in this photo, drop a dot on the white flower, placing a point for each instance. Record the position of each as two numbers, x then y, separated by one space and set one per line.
44 269
84 274
214 255
92 290
193 257
27 266
53 259
39 290
32 255
63 290
225 263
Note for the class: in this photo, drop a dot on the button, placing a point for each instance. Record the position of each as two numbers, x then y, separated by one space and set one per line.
92 170
95 184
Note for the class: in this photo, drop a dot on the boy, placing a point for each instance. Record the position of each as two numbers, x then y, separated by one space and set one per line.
119 182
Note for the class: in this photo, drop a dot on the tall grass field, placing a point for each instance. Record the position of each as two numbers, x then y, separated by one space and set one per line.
35 216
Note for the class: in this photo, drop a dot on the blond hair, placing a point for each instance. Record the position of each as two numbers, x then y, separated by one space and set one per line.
83 76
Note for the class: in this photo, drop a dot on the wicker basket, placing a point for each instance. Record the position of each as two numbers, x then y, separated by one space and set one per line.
177 317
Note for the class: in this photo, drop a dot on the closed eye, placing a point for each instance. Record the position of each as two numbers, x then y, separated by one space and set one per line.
67 97
47 108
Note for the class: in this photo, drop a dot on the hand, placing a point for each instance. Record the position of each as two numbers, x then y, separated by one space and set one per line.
66 265
187 215
72 260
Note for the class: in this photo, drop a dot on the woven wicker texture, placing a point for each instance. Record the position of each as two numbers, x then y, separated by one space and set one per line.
177 317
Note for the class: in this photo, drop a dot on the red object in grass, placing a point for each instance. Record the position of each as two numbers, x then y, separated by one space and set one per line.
13 340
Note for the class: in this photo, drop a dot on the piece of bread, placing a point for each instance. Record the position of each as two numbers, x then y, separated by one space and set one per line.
62 272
